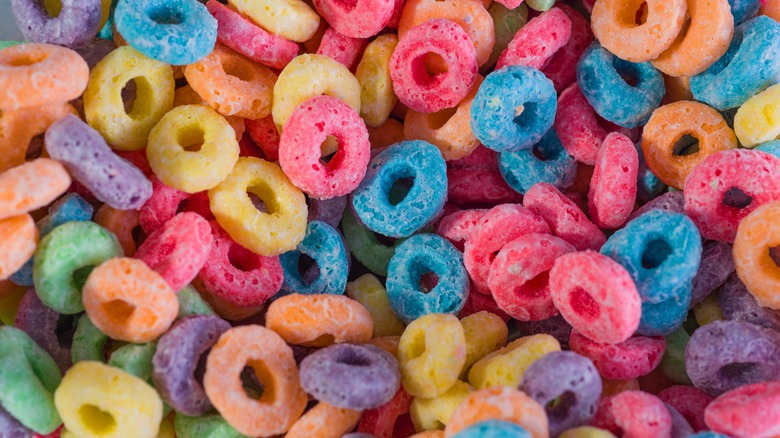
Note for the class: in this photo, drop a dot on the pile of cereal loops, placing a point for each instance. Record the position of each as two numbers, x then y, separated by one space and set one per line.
390 218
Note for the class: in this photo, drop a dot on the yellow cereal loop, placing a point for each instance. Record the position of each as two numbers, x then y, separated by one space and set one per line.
507 365
434 413
277 230
586 432
166 429
758 120
99 401
377 97
431 353
291 19
708 310
368 291
193 148
103 105
312 75
485 333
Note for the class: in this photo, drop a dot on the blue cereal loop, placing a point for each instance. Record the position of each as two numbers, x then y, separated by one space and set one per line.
546 162
323 244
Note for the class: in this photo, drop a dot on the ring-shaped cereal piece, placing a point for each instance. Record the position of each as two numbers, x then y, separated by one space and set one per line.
726 187
19 128
104 109
176 32
634 413
381 421
319 320
601 77
179 249
756 239
61 262
499 403
121 223
490 429
205 426
312 75
128 301
545 162
612 191
361 19
535 43
300 154
758 120
637 356
561 69
449 129
88 341
513 109
195 127
615 25
596 295
471 15
175 361
31 185
28 379
747 68
372 201
431 354
749 410
663 144
430 414
18 240
414 85
40 74
300 22
259 348
419 255
232 84
100 400
43 325
365 245
705 39
324 420
75 24
325 246
771 8
281 228
377 98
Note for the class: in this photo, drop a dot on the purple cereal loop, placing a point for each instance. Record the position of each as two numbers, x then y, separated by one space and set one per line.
40 323
77 22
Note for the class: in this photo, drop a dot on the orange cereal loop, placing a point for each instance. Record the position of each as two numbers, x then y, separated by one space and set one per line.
670 136
31 186
17 129
18 239
319 320
232 84
471 15
226 310
387 343
123 223
282 401
771 9
128 301
756 254
637 30
677 89
429 434
449 129
324 421
187 96
34 74
386 134
499 403
705 37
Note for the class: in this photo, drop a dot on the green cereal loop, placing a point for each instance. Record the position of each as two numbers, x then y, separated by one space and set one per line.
507 23
365 246
673 362
207 426
7 43
61 254
191 303
540 5
28 378
135 359
88 342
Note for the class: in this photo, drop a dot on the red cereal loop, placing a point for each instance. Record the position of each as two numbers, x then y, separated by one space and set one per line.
519 276
562 67
565 219
178 250
596 295
689 401
477 302
357 19
634 414
414 85
613 187
237 275
750 410
501 225
475 179
578 126
636 357
344 49
300 148
161 206
266 136
458 226
536 42
726 187
381 421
